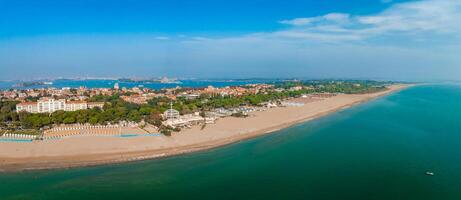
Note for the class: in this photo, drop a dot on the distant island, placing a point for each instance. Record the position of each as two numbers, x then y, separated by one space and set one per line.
33 83
151 80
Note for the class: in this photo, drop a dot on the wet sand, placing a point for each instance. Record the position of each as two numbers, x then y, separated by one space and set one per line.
94 150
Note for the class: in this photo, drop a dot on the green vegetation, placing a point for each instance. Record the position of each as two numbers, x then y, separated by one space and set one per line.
8 116
349 88
339 86
116 110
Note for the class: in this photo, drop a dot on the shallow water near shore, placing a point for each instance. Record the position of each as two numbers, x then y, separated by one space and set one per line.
377 150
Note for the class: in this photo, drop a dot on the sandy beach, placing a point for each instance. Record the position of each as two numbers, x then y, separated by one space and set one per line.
94 150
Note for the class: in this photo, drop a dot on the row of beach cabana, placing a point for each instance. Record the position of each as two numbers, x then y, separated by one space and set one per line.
69 131
82 127
18 136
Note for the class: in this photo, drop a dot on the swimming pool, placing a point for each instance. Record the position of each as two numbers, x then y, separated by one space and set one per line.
15 140
137 135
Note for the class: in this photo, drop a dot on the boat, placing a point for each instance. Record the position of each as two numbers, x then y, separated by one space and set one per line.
430 173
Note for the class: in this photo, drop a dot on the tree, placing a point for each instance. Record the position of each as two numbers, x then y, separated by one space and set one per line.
45 121
185 110
93 120
155 118
69 120
134 116
22 115
202 114
165 131
239 114
121 113
58 117
82 116
32 121
145 110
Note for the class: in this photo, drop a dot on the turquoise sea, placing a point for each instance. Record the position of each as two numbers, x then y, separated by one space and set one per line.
377 150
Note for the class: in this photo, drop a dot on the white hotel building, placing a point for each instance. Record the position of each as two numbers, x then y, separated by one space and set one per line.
50 105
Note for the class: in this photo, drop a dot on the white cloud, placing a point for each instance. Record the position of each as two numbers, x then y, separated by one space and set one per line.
420 17
331 17
344 45
298 21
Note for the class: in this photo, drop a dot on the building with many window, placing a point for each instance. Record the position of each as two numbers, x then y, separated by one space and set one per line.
31 107
92 105
50 105
75 105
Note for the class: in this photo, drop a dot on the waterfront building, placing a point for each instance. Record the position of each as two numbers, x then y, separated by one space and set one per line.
50 105
92 105
291 104
171 113
75 105
184 121
30 107
223 112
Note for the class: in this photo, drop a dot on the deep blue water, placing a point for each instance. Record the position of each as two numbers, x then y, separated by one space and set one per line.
377 150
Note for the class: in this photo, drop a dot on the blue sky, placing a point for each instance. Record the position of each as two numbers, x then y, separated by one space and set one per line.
381 39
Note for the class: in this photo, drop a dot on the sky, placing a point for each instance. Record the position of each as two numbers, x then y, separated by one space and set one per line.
354 39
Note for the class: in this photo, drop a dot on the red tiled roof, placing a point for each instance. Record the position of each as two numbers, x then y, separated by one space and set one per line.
27 103
75 102
95 103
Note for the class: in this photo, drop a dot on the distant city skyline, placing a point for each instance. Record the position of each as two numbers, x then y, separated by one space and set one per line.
360 39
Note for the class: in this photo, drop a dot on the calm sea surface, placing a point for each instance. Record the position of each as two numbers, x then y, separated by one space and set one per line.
378 150
110 83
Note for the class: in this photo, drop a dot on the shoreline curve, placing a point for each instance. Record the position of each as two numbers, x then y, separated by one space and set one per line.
42 156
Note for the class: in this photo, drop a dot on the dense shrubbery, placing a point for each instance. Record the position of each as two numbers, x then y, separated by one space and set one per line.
8 114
